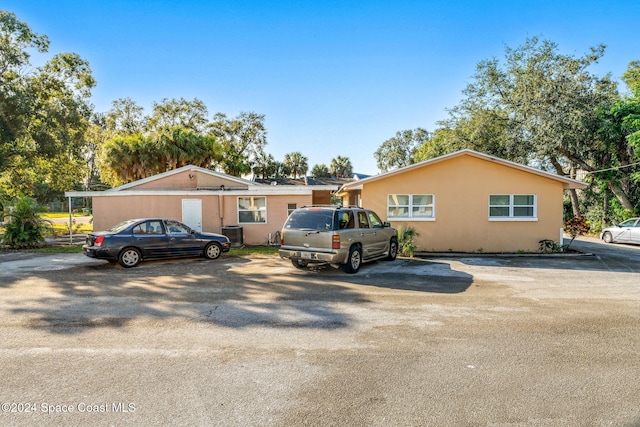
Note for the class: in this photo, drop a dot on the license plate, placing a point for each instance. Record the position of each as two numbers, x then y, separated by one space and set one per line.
305 255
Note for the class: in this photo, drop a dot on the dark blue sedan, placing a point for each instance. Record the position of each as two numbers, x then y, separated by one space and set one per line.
133 240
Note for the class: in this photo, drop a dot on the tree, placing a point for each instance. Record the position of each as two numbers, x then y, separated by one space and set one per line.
297 164
400 150
125 117
264 165
242 139
43 113
171 113
127 158
320 171
543 108
341 167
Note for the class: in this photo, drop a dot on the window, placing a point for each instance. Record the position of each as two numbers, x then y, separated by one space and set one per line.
252 210
512 206
374 220
414 206
363 222
176 227
345 220
148 227
291 207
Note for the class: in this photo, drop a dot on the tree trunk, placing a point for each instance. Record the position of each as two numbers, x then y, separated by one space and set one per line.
621 196
573 194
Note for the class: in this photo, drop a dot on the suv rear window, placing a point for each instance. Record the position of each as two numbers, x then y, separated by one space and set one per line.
321 219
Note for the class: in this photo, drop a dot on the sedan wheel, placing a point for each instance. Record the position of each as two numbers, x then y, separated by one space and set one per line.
129 257
354 261
212 251
607 237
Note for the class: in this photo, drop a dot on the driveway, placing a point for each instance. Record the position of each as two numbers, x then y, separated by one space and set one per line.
252 341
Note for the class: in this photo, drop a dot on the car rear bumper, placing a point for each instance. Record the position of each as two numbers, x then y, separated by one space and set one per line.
311 256
98 252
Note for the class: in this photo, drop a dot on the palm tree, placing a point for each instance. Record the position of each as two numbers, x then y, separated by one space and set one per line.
297 163
320 171
341 167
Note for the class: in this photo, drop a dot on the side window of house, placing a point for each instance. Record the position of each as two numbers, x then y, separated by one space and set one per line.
363 222
252 210
512 206
415 206
291 207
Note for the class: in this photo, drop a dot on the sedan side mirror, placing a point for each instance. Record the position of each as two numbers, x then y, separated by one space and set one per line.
386 224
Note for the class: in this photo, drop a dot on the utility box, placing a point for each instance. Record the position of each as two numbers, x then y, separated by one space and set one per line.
235 233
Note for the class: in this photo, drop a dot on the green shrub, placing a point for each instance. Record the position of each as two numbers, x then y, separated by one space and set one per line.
406 246
24 228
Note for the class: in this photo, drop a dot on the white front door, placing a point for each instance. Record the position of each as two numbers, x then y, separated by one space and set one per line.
192 213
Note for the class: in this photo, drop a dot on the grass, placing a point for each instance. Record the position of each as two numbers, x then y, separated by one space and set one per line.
58 215
255 250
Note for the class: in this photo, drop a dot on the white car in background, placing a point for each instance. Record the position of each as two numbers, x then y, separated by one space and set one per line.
626 232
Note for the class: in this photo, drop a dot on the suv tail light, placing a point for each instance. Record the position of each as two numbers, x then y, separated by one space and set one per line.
281 239
335 242
98 241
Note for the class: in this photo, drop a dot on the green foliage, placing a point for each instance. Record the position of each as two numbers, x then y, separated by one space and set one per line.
341 167
406 245
25 228
549 246
297 164
320 171
400 150
43 114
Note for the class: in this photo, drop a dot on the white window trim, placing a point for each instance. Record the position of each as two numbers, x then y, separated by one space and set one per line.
266 218
289 210
411 217
511 206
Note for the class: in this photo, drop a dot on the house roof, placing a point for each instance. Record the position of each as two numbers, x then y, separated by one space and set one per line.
247 186
568 183
180 170
337 182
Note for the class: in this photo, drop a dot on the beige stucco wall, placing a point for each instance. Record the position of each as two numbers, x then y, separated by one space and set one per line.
462 186
189 180
108 211
217 211
258 234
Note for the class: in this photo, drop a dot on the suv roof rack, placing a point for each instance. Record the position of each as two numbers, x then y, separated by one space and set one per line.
332 206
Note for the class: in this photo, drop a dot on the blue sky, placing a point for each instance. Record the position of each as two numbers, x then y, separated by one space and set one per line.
332 77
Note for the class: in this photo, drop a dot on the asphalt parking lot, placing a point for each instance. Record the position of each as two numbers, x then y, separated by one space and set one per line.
440 341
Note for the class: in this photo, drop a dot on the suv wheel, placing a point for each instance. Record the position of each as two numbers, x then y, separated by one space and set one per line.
354 261
393 249
298 263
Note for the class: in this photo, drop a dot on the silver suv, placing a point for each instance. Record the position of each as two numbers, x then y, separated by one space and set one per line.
340 236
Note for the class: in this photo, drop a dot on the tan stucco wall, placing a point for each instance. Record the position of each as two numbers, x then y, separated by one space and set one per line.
217 211
108 211
462 186
189 180
258 234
